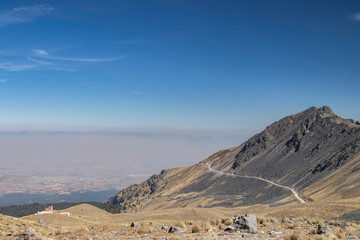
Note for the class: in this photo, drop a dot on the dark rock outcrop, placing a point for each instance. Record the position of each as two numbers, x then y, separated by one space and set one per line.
129 198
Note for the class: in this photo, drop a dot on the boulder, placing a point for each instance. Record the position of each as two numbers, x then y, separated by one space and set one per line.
285 220
247 223
324 229
352 237
135 224
42 222
276 234
344 225
176 229
29 234
229 229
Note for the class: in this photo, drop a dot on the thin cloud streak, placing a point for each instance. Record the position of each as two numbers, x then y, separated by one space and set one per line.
2 80
44 54
64 69
40 52
9 66
25 14
41 59
83 59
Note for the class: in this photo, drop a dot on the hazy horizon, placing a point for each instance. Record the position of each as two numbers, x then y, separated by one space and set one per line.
51 162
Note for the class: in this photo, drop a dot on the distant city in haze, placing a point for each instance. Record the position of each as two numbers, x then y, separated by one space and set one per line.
97 95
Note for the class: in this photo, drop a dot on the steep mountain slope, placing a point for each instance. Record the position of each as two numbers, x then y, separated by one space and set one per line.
306 152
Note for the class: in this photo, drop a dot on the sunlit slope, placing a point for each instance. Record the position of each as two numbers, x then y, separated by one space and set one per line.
87 210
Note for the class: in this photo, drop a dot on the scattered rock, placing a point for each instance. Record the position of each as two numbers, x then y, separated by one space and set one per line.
176 229
246 222
229 229
276 234
285 220
135 224
42 222
164 227
29 234
343 224
352 237
324 229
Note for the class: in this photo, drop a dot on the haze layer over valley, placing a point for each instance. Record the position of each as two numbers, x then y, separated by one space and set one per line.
60 163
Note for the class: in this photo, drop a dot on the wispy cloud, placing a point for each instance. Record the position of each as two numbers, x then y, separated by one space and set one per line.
40 52
44 54
38 61
104 59
42 59
356 17
25 14
2 80
12 67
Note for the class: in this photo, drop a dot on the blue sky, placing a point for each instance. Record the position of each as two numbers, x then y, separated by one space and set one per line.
175 64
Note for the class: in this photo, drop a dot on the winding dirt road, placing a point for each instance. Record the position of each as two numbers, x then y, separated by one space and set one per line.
296 195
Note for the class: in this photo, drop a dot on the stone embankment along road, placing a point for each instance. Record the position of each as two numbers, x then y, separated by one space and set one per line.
296 195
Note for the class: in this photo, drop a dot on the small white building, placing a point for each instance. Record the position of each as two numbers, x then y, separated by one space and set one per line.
43 212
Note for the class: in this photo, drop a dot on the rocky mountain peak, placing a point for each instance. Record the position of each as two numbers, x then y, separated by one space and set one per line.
296 152
293 127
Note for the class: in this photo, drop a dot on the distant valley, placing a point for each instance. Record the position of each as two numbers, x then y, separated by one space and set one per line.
52 165
73 197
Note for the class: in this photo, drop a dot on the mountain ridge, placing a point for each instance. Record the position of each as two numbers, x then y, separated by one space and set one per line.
297 151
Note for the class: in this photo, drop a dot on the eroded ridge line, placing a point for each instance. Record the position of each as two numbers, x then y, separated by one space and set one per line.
296 195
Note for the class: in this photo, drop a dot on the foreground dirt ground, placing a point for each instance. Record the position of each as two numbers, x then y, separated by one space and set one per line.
290 221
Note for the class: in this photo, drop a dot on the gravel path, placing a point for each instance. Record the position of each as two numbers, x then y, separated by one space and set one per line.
296 195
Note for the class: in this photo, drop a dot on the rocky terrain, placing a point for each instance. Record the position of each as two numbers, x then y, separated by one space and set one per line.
89 222
309 156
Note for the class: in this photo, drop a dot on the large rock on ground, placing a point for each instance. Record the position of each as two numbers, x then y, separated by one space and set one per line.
324 229
135 224
246 222
176 229
350 237
29 234
42 222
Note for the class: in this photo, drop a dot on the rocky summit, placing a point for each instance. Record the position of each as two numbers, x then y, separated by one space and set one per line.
309 156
